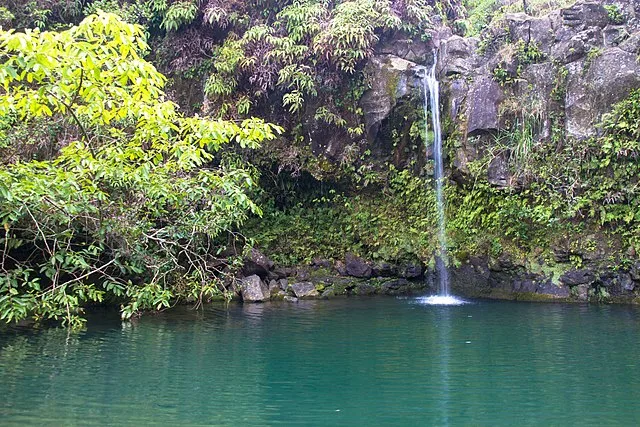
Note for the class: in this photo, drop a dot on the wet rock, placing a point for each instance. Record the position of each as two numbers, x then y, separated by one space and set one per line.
275 290
578 277
456 92
256 263
634 272
253 289
625 282
357 267
483 102
304 290
337 289
290 299
471 278
618 284
409 49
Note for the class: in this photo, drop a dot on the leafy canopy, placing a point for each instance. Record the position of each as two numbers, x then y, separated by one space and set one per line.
135 205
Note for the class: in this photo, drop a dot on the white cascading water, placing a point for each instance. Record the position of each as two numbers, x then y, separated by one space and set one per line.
431 97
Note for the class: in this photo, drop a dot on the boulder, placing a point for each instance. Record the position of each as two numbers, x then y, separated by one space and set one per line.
357 267
525 285
253 289
304 290
340 268
256 263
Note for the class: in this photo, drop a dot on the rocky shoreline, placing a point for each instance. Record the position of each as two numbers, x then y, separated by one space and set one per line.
478 277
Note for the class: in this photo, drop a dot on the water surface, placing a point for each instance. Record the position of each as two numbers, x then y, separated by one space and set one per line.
364 361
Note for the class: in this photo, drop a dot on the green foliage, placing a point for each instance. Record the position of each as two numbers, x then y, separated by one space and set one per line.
5 16
147 12
615 13
304 44
133 208
179 14
395 225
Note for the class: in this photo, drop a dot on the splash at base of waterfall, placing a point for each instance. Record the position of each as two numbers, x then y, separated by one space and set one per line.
441 300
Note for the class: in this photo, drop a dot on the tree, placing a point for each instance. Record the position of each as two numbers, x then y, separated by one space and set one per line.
136 205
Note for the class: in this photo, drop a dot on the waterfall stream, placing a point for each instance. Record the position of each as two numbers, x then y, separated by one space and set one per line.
431 99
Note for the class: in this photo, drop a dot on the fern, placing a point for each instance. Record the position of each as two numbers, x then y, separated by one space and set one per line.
179 14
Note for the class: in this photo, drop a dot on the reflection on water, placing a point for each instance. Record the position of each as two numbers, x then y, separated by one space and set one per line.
373 361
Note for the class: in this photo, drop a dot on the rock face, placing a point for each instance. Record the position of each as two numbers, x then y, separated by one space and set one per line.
483 102
587 64
390 79
253 289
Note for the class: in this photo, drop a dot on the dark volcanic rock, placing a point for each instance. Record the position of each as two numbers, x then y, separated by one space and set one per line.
357 267
548 288
384 269
253 289
578 277
394 286
411 270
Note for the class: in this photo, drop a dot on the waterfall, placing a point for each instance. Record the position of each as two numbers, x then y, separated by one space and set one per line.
431 97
